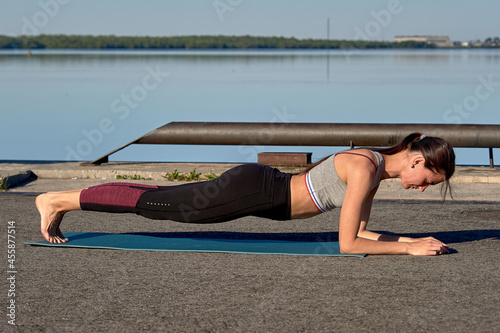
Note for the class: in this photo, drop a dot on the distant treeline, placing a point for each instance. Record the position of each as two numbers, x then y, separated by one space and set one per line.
192 42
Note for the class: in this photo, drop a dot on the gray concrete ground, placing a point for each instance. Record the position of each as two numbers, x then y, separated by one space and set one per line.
82 290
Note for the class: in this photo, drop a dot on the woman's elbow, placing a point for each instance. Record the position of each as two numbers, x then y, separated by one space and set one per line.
347 247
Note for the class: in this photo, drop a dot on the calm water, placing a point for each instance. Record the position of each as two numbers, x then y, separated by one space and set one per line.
79 105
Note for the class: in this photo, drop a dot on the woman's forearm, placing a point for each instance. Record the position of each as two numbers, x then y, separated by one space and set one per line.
361 245
383 238
421 246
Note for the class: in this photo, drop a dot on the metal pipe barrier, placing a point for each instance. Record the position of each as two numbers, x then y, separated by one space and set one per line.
313 134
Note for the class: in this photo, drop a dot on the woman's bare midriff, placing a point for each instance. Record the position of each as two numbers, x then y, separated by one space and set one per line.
302 206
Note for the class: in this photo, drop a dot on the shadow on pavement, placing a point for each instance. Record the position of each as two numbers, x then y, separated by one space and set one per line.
460 236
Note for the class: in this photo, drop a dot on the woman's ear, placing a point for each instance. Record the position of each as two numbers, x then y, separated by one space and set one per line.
417 160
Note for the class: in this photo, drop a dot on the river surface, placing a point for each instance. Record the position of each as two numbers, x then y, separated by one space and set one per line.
80 105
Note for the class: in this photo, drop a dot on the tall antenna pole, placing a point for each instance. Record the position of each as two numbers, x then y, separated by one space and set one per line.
328 49
328 28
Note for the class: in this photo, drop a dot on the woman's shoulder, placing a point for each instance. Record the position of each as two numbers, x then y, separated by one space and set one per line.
359 154
357 163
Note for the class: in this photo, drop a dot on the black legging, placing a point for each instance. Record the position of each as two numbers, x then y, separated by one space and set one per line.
251 189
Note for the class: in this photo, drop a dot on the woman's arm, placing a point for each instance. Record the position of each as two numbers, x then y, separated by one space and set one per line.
353 236
365 216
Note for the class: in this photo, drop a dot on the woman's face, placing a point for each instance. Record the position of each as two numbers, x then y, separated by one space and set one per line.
419 177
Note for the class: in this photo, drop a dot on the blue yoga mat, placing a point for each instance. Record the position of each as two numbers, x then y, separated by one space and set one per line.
144 242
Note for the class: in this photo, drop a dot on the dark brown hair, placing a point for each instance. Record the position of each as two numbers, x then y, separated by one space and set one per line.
438 154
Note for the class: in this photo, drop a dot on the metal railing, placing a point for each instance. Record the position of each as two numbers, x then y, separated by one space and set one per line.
312 134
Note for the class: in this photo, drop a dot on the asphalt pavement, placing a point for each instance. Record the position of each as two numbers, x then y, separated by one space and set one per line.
93 290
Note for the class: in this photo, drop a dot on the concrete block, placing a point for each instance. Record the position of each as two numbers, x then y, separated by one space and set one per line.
285 159
16 178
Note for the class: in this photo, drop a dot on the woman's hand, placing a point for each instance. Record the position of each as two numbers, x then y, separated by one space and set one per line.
427 246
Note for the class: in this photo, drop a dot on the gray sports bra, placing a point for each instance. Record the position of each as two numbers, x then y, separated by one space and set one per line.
326 189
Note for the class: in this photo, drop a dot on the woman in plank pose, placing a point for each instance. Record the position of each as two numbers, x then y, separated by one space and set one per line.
347 179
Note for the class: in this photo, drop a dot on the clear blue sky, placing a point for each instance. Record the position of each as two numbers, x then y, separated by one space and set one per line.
349 19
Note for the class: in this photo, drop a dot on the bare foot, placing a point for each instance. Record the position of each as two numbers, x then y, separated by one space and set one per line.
51 217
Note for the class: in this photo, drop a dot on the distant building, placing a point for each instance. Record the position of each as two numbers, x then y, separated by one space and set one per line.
440 41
